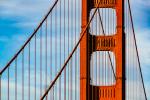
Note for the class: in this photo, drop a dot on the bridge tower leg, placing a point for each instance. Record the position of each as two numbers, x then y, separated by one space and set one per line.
118 89
84 55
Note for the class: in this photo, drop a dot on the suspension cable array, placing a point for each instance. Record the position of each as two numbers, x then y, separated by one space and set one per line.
134 79
29 73
47 65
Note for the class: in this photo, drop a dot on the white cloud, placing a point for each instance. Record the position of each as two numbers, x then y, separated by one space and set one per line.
27 13
140 3
24 10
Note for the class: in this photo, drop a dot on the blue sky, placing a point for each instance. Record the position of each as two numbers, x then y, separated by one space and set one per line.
141 17
18 19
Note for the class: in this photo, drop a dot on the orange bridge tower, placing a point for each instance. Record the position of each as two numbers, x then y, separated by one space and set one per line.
116 91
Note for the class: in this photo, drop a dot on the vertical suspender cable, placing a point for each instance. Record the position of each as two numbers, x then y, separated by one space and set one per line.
102 52
99 66
35 68
64 52
71 22
23 74
111 56
96 53
8 84
75 56
29 74
53 73
51 53
46 57
107 28
16 79
107 14
60 54
55 89
40 61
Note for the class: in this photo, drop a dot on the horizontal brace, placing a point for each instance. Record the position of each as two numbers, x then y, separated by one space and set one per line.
103 43
104 3
104 92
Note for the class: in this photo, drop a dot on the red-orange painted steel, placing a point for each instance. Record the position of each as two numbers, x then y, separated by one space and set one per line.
84 66
117 91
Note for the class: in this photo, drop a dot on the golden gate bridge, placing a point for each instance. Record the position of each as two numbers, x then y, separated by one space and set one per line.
81 50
